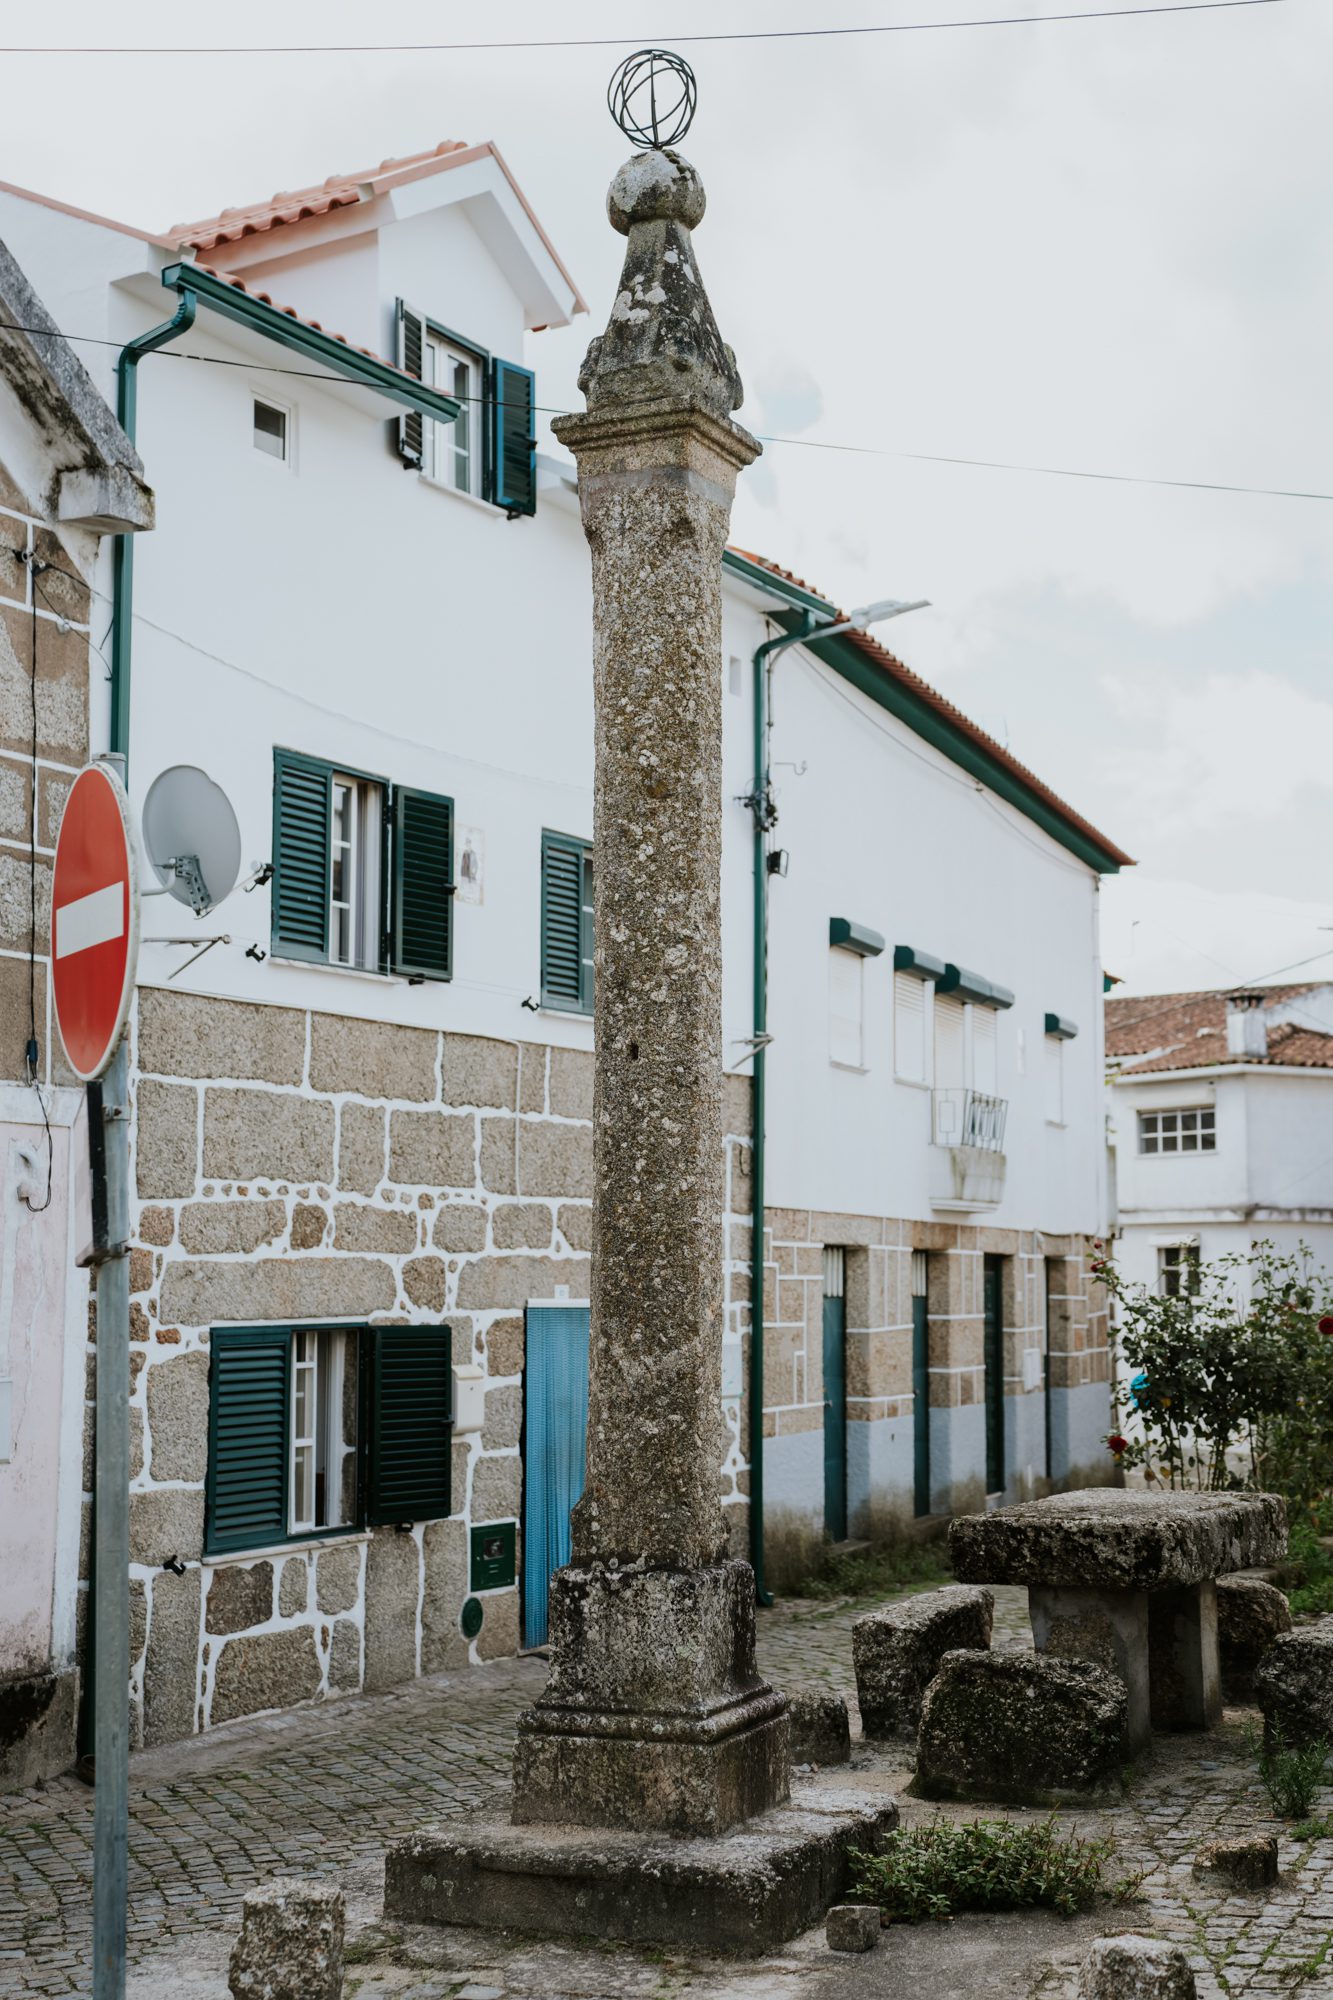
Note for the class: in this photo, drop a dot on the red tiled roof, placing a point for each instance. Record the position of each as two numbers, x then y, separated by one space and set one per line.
893 667
1154 1032
338 191
290 312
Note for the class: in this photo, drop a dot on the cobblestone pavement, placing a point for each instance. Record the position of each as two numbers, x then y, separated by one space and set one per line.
318 1793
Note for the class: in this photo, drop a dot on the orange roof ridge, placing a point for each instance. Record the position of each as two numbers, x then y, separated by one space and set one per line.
896 670
230 225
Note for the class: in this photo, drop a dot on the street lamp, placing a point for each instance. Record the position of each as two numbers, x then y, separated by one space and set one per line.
762 807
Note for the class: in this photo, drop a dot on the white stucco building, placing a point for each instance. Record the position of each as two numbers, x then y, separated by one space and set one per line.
1220 1114
363 1122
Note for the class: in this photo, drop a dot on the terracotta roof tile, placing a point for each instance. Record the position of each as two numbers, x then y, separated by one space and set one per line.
1155 1032
895 670
338 191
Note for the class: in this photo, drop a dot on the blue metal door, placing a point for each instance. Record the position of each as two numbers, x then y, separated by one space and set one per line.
555 1404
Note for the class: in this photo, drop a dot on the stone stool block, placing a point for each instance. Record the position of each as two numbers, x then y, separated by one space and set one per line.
852 1927
897 1652
1136 1968
1021 1729
1293 1685
1250 1615
820 1731
1245 1864
291 1943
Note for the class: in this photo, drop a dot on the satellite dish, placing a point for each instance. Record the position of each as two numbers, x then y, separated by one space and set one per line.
191 837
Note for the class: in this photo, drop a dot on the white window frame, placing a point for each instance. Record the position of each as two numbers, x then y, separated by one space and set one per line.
1194 1122
845 1059
441 359
903 982
363 875
319 1363
287 411
1185 1254
1053 1079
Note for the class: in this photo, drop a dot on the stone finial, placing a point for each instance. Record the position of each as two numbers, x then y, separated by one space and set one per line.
662 342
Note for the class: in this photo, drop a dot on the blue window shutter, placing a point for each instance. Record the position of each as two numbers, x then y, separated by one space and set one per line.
410 348
249 1384
566 923
408 1476
302 802
513 453
421 934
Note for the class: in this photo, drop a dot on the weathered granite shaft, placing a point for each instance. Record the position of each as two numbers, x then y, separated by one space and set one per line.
654 1714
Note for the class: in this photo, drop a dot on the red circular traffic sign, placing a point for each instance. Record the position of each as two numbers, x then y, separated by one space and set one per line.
94 920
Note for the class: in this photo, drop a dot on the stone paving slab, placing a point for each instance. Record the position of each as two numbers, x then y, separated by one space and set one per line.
321 1791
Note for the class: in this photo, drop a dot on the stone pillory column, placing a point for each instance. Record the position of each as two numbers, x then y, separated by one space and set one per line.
654 1715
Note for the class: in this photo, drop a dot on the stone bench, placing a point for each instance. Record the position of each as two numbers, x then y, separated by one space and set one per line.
896 1652
1250 1615
1020 1729
1128 1581
1293 1684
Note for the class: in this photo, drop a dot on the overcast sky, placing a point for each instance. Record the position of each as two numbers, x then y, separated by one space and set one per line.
1104 245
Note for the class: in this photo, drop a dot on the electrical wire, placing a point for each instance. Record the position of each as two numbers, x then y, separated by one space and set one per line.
622 41
764 437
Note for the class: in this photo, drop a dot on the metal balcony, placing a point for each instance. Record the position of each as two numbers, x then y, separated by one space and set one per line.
969 1118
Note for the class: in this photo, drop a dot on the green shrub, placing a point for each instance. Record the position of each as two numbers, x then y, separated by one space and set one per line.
1292 1773
1309 1569
933 1871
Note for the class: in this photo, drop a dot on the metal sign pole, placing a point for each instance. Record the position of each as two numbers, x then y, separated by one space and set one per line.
111 1606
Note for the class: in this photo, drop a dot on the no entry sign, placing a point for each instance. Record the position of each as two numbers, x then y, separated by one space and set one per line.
94 920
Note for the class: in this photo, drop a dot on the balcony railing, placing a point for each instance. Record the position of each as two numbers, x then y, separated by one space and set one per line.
969 1118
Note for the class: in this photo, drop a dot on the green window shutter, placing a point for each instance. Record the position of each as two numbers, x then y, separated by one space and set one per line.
302 802
411 341
566 922
249 1424
408 1473
513 452
421 937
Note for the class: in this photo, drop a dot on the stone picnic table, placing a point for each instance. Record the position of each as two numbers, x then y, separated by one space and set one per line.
1128 1581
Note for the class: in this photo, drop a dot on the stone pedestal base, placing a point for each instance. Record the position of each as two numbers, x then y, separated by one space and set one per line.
1108 1627
742 1891
1182 1647
655 1716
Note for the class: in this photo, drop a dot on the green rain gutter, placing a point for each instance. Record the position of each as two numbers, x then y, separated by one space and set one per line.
199 287
760 803
122 586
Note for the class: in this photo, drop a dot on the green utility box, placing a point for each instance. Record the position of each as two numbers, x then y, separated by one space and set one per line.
493 1555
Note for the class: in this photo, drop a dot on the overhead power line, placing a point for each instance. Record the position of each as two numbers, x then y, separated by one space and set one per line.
617 41
765 437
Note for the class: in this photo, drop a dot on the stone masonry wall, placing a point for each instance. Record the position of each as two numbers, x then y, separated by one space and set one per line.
878 1264
290 1166
294 1165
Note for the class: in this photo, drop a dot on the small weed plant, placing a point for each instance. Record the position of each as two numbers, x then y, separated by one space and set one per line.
1310 1568
1292 1774
1313 1829
929 1872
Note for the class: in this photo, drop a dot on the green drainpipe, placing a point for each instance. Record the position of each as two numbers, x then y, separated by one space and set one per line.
122 587
761 805
122 612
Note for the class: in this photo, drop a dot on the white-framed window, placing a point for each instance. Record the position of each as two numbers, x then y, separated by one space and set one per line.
1053 1078
355 874
272 432
1186 1131
985 1050
910 996
950 1043
453 452
1178 1270
323 1434
846 1011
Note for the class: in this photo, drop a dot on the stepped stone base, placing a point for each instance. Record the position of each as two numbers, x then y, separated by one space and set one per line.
740 1891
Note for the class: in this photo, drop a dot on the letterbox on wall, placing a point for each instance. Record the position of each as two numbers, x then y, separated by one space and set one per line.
469 1399
493 1556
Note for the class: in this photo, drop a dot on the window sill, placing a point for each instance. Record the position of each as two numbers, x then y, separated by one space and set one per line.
454 493
912 1082
334 1538
852 1069
321 965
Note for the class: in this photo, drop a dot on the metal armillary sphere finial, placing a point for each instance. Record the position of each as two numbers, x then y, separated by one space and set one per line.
652 97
